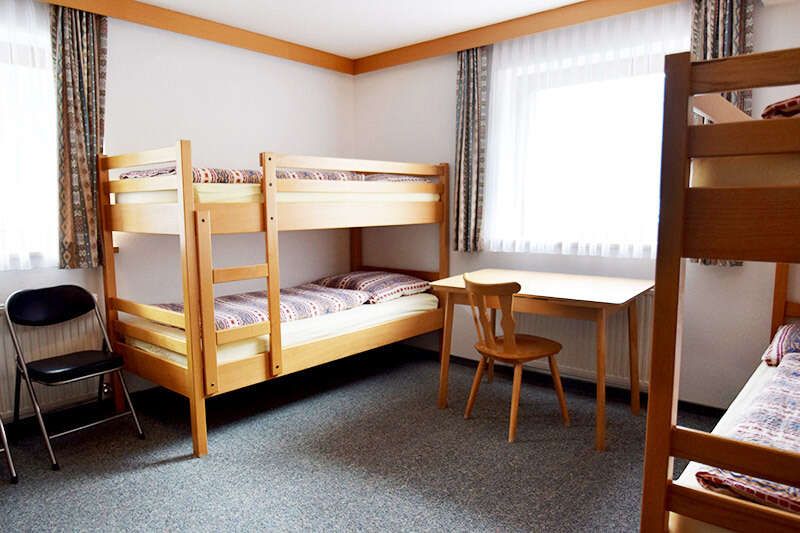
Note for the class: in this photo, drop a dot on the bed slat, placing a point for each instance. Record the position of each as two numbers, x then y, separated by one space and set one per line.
749 224
138 159
152 337
738 456
144 218
291 185
355 165
156 183
766 69
150 312
755 137
153 368
732 513
247 218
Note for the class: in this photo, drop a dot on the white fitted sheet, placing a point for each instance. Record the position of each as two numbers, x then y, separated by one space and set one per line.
760 378
297 331
206 193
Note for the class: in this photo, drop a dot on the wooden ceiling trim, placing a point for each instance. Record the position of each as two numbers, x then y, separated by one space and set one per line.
167 19
560 17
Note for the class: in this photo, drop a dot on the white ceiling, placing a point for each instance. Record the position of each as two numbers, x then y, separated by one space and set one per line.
356 28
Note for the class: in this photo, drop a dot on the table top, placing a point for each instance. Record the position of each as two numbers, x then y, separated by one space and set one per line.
555 286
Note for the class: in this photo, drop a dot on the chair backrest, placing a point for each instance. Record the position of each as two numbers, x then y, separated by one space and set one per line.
48 306
479 295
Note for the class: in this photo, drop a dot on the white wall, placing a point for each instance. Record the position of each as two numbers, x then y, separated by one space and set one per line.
232 104
408 112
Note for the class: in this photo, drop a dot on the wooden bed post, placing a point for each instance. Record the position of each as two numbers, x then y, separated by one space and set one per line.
444 227
663 392
191 298
779 297
356 249
109 269
269 189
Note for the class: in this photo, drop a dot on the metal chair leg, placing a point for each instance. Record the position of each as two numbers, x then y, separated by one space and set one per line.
4 443
40 420
16 395
130 405
100 388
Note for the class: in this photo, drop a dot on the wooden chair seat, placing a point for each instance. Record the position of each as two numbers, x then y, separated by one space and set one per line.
513 349
528 348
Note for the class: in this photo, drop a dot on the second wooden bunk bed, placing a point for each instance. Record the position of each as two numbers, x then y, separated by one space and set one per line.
194 223
755 220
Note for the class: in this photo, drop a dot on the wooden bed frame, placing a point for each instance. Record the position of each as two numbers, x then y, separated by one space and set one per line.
195 223
749 224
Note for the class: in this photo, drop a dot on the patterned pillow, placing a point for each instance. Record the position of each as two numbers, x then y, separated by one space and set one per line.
382 286
785 108
787 340
200 174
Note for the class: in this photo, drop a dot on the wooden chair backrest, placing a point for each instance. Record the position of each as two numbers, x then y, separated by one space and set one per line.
478 294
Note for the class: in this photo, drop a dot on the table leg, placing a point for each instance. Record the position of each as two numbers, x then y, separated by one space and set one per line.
493 320
633 351
444 356
600 417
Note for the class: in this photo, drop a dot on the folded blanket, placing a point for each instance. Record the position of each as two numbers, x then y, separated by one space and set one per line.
224 175
297 303
773 420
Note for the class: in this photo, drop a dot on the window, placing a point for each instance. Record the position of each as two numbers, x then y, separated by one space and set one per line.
574 136
28 149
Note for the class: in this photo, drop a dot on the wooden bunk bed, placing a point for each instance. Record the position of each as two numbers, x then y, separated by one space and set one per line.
737 214
194 222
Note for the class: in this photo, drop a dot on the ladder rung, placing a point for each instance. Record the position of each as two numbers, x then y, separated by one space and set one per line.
224 275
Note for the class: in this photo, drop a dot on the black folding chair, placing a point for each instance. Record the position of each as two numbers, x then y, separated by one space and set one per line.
4 443
47 307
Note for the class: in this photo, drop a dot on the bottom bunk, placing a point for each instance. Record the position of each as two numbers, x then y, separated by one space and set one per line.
765 412
306 343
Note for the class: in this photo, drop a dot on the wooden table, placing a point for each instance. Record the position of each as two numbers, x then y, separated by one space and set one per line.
591 298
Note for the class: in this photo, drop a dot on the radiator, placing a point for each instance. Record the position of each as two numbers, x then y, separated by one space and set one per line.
80 334
578 357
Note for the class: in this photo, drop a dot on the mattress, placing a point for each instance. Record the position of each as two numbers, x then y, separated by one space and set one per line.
295 332
746 171
206 193
760 378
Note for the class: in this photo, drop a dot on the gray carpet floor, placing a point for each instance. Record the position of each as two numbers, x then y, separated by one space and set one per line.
357 445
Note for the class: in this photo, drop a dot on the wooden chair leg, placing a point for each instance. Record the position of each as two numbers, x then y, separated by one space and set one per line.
490 371
562 401
512 424
476 383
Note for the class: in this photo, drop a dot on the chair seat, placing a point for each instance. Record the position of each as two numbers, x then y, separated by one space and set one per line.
529 347
72 366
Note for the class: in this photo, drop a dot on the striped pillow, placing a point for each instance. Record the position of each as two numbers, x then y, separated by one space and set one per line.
786 340
381 286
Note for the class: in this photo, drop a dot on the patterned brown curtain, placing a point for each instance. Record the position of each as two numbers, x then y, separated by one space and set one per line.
79 60
471 107
723 28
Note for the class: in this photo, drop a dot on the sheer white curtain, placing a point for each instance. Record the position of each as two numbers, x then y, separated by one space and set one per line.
574 137
28 183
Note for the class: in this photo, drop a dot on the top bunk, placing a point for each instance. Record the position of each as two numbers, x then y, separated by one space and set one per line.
146 192
736 181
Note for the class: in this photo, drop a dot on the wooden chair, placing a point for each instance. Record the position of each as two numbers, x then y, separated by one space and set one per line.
510 348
